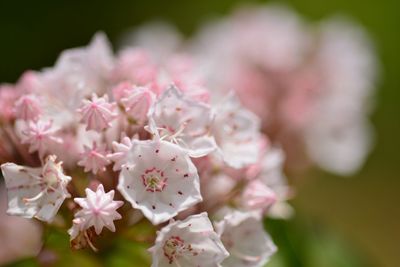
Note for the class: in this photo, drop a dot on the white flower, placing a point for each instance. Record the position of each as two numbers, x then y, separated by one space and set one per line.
120 154
159 179
243 235
188 243
94 158
35 192
273 177
182 121
99 209
236 131
97 113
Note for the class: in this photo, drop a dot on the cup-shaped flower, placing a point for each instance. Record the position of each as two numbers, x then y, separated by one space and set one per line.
97 113
237 132
188 243
36 192
182 121
159 179
243 235
99 209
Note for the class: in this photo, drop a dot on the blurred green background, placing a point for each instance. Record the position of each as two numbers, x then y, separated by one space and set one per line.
361 213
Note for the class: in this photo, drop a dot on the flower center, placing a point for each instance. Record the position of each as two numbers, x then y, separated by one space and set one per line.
50 178
174 247
154 180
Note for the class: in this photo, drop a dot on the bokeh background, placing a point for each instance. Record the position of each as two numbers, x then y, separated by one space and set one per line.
336 217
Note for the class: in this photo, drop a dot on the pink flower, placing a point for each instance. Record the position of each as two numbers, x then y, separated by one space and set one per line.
28 108
40 136
99 209
120 154
94 158
121 90
97 113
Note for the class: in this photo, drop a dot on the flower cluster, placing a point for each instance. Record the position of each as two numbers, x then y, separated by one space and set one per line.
99 135
310 84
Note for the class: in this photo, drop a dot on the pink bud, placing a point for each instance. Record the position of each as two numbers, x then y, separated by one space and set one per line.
94 158
137 103
257 196
28 108
97 113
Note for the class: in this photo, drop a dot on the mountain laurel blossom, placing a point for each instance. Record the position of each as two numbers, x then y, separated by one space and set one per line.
185 133
243 235
190 243
99 209
36 192
159 179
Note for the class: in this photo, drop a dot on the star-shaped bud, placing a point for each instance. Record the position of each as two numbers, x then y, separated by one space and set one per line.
182 121
120 154
36 192
237 132
159 179
137 103
189 243
243 235
27 108
94 158
40 135
97 113
99 209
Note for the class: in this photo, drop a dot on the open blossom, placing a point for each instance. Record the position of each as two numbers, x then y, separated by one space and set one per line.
36 192
188 243
28 108
272 176
243 235
40 135
182 121
99 209
97 113
137 102
120 155
94 158
159 179
237 133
